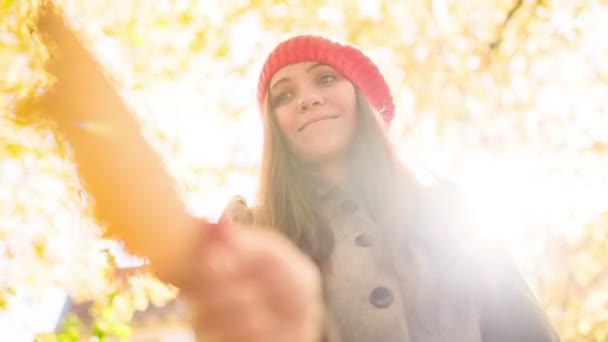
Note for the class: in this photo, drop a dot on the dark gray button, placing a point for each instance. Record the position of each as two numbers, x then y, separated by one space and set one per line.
364 240
381 297
349 206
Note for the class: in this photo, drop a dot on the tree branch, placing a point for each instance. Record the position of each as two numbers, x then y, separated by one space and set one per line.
495 44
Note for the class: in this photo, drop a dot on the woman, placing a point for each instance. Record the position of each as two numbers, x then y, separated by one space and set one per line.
378 257
397 259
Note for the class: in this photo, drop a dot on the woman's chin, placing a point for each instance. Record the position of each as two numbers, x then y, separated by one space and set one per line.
323 155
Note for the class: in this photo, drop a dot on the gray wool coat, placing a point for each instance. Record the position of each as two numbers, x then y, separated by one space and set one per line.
365 290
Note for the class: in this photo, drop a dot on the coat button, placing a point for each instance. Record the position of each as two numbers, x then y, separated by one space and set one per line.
381 297
364 240
349 206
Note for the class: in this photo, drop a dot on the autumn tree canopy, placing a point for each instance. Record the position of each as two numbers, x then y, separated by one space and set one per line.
508 98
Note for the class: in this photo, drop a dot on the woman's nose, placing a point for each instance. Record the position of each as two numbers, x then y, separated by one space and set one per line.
309 100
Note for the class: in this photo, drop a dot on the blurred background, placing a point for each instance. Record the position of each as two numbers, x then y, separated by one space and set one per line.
507 98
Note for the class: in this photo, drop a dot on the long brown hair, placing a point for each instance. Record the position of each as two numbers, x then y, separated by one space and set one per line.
392 195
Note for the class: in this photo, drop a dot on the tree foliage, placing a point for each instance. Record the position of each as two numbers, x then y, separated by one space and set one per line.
508 98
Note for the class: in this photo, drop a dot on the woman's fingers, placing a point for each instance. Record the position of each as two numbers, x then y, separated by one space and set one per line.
235 311
226 304
70 61
48 21
80 84
288 282
254 285
292 288
54 30
281 267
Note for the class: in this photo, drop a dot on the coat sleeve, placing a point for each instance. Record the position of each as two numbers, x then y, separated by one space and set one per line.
510 311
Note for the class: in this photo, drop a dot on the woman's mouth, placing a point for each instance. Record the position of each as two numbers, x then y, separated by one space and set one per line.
316 119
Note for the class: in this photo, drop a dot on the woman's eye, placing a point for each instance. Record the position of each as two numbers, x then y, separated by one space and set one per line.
327 78
282 98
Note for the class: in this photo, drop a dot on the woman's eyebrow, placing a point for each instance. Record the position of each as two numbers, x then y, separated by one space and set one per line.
308 70
314 66
282 80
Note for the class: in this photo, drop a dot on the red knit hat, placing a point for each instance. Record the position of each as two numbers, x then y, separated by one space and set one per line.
347 60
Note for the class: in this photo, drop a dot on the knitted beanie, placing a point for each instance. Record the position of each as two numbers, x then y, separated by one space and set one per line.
345 59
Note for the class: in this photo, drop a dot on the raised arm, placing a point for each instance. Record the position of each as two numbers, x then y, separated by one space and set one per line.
134 196
228 273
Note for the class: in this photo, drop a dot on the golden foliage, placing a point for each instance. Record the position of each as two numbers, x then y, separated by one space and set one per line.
508 98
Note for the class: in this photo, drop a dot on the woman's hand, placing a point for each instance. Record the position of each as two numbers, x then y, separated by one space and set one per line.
253 285
80 90
69 65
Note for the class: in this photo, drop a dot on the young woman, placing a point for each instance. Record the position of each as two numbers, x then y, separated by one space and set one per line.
348 245
397 259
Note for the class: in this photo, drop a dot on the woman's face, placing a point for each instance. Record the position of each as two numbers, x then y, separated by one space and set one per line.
315 109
